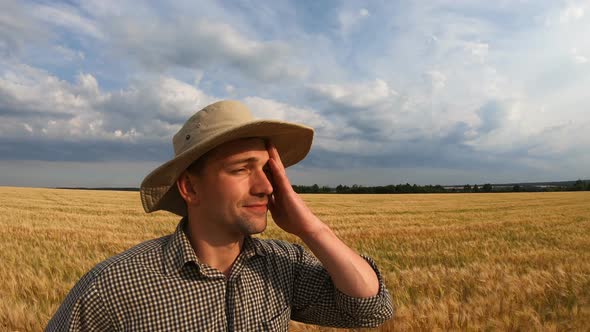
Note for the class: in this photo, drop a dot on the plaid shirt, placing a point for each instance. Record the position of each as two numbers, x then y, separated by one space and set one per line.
159 285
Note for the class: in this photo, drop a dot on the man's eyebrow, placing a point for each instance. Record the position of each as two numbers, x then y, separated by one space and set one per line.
244 161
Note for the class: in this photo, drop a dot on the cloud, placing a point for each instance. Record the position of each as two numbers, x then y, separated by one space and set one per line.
436 79
369 110
68 53
155 107
578 58
203 44
447 84
271 109
229 89
478 50
67 17
138 34
493 116
356 95
571 13
566 13
43 117
84 150
28 90
38 173
348 19
18 28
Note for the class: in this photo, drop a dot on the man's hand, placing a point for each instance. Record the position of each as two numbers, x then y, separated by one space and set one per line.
286 207
350 273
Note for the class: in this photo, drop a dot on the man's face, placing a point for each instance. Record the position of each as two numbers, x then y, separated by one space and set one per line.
233 187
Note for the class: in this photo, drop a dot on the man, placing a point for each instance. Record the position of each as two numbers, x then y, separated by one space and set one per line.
210 274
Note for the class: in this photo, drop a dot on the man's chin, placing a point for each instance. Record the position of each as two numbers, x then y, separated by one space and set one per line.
251 226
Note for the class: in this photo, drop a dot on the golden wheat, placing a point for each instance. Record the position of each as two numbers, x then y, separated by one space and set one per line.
518 261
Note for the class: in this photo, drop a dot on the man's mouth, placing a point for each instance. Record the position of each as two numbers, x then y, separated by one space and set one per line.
256 207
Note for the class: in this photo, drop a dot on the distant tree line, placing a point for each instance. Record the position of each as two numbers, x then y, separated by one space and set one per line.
579 185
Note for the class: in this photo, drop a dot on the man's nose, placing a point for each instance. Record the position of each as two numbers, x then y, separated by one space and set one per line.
260 183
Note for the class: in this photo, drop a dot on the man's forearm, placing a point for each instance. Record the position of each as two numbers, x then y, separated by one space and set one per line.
351 274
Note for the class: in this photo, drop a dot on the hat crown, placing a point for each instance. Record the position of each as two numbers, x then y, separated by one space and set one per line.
209 121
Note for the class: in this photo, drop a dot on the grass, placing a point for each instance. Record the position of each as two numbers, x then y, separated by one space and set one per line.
516 261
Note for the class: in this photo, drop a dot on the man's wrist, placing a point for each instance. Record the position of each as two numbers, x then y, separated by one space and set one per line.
316 233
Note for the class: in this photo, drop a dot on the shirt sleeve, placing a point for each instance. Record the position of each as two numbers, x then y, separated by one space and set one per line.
317 301
82 310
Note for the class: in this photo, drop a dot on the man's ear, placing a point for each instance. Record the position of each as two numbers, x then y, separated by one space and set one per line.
186 188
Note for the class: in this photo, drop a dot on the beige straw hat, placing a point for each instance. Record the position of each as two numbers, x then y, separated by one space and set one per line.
216 124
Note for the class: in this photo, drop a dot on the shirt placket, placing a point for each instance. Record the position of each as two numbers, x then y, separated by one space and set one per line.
231 291
230 304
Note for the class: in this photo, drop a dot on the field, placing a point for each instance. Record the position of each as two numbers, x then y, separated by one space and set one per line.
509 262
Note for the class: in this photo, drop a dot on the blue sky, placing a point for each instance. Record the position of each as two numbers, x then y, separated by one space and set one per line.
429 92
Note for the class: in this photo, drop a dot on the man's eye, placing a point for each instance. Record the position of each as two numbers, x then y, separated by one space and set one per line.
238 170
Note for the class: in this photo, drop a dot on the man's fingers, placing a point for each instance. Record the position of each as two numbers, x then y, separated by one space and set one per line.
271 202
278 173
278 158
274 154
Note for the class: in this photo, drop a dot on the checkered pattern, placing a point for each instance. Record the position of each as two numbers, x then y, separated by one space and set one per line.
159 285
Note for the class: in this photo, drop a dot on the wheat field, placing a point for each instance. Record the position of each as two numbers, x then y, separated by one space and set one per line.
506 262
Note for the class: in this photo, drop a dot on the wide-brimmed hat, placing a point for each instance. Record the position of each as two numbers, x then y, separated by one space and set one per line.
210 127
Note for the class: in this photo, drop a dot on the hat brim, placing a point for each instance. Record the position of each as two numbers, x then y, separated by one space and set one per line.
159 191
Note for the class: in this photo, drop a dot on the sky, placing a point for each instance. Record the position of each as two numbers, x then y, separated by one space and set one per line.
426 92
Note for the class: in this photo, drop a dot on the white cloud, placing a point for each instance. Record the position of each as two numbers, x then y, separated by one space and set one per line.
67 17
28 89
571 13
229 89
478 50
68 53
357 95
436 79
198 76
204 44
177 100
33 101
271 109
349 19
18 29
566 13
578 58
373 118
28 127
328 131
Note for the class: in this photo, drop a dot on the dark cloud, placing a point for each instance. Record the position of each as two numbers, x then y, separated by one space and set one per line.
22 114
384 144
414 153
458 134
493 115
83 150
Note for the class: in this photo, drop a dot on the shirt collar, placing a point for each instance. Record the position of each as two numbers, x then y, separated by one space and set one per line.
258 246
178 252
252 247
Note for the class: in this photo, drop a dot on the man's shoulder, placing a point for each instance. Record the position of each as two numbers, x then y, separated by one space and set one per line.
109 277
147 253
278 247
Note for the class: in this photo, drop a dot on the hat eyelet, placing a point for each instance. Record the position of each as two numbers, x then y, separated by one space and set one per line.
188 137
